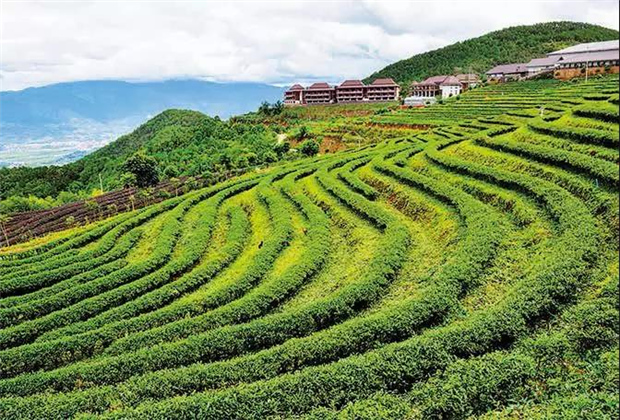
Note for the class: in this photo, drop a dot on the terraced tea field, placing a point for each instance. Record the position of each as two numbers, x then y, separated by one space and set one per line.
469 270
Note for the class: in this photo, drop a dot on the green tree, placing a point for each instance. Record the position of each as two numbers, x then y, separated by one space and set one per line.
270 157
301 133
277 108
171 171
264 107
269 110
282 148
144 168
128 180
309 148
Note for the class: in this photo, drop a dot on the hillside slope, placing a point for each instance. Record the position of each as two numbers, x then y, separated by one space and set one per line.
49 124
465 271
183 142
511 45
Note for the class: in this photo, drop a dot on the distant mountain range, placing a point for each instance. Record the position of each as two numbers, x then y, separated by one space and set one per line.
59 123
517 44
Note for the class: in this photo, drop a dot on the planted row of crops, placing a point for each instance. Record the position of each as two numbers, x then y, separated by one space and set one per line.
460 271
27 225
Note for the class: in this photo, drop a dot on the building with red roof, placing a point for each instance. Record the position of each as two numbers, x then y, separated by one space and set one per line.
349 91
319 93
443 85
382 90
294 95
450 86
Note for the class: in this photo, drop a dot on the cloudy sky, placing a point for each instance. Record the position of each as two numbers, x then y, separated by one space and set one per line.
45 42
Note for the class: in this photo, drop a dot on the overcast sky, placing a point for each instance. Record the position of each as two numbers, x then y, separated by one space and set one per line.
276 42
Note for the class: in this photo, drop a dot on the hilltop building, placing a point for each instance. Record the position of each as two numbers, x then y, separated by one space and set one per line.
587 59
428 88
451 86
294 95
427 91
349 91
382 90
319 93
588 47
578 60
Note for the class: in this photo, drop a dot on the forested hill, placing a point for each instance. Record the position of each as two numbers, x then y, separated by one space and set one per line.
511 45
184 143
60 123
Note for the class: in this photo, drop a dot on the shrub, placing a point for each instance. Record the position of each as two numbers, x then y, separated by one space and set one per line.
309 148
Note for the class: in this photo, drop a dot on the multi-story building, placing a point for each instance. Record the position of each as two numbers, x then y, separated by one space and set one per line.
450 86
294 95
587 59
578 60
428 88
350 91
319 93
445 86
347 92
382 90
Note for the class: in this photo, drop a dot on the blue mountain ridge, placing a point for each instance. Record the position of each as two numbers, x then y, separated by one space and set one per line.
59 123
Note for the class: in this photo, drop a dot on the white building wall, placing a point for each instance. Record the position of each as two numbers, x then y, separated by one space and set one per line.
447 91
419 100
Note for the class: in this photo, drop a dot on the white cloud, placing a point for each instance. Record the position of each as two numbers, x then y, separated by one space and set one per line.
274 41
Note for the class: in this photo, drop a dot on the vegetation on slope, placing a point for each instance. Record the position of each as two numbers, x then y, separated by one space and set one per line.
517 44
468 269
184 143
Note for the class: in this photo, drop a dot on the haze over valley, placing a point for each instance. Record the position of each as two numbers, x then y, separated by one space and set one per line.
60 123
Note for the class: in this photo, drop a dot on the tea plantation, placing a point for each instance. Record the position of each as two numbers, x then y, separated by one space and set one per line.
465 270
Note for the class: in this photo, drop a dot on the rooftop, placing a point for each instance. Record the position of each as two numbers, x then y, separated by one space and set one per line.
433 80
509 68
591 56
544 61
352 83
468 77
295 87
450 81
384 82
319 86
590 46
